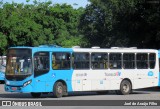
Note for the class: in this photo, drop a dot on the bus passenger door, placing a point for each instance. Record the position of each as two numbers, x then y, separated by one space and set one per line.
41 68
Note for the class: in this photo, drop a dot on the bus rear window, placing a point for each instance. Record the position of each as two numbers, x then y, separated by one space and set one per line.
142 60
152 60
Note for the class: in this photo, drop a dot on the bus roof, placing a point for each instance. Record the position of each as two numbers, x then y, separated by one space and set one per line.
93 49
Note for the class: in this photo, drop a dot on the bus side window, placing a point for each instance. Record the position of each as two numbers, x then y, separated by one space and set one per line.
129 61
61 60
115 60
142 60
80 60
55 65
41 63
152 60
99 60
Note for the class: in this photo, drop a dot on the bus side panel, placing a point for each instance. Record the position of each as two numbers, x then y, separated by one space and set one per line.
58 75
38 83
146 78
96 80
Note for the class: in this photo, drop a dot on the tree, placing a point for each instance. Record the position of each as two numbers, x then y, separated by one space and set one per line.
40 23
3 43
122 23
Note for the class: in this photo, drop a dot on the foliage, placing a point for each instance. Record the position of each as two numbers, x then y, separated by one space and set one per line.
122 23
3 42
102 23
39 23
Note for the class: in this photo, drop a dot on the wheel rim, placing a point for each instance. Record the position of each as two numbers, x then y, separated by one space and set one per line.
59 89
125 87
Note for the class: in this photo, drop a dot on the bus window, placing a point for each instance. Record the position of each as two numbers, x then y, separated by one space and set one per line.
129 61
80 60
142 60
99 60
115 61
61 60
152 60
41 63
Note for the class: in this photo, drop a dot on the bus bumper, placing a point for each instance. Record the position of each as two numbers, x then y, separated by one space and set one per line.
25 89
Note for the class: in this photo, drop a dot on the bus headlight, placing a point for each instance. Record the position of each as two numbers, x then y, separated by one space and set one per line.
27 83
7 82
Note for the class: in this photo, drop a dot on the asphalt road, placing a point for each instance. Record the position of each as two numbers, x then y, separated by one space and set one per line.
143 94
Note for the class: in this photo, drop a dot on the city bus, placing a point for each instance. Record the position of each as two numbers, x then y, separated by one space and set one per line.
58 70
2 67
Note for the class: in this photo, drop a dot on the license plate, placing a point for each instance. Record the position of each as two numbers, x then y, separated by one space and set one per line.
14 88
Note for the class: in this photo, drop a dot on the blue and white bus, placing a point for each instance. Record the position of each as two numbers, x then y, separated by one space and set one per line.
2 67
46 69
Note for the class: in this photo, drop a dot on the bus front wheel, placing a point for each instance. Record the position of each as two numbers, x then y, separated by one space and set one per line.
125 87
35 95
58 90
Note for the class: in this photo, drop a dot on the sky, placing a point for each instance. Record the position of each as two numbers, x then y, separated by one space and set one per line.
79 3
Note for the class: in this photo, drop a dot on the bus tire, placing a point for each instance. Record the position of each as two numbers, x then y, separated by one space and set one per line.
58 90
65 92
125 87
35 95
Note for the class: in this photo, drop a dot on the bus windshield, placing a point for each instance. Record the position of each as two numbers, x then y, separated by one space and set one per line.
19 62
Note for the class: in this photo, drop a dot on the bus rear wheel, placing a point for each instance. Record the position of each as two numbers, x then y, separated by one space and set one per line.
35 95
125 87
58 90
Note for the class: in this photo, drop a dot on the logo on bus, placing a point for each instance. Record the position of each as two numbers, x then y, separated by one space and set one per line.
81 74
150 73
113 74
53 75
